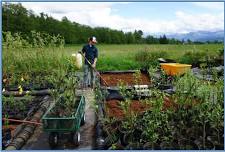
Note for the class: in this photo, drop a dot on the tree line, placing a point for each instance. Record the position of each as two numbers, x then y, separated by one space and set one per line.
16 18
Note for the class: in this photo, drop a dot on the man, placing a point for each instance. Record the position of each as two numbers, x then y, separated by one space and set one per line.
91 54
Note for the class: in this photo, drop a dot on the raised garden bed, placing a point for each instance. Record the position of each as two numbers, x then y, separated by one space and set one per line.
185 119
131 132
27 81
128 78
19 107
114 109
18 110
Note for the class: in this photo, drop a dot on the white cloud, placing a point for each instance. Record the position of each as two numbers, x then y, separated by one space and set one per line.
64 7
103 14
197 22
210 5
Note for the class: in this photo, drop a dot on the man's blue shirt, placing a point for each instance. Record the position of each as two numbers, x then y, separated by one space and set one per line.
91 52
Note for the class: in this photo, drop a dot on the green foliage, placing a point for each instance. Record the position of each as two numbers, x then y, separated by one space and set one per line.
151 40
193 57
154 120
203 57
137 77
28 60
64 92
111 57
188 84
221 52
10 103
6 122
163 40
149 58
35 40
194 121
14 41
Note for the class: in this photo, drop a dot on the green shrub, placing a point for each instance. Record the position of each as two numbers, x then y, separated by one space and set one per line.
221 52
192 57
148 58
32 40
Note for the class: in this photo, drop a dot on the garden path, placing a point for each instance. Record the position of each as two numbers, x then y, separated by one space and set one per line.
39 140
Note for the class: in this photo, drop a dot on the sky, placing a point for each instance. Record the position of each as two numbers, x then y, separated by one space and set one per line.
150 17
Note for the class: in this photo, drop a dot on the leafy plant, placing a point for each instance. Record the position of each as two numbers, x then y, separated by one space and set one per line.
186 88
137 77
149 58
193 57
6 122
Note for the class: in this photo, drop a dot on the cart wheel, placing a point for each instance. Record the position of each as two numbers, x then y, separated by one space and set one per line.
83 120
53 139
76 138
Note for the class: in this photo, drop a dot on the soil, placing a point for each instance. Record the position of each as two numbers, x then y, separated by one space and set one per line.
113 79
113 108
169 103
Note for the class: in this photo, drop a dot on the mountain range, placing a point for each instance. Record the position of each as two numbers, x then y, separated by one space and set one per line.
201 36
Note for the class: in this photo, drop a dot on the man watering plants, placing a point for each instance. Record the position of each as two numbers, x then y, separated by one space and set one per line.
91 55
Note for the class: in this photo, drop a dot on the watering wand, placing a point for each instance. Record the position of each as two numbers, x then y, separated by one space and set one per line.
94 68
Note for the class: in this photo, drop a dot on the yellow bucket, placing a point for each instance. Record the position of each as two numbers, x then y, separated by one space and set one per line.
175 68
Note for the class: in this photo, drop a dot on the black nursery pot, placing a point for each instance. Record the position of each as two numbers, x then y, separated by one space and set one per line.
123 139
6 137
114 94
208 145
214 140
151 146
187 144
165 87
134 146
7 134
12 113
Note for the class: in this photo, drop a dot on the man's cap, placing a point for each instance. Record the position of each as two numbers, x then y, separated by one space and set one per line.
93 39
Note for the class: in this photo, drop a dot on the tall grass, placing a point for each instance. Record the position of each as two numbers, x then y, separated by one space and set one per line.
41 53
111 57
122 57
33 60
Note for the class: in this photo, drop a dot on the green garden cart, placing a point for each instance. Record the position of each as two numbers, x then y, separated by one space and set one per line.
57 126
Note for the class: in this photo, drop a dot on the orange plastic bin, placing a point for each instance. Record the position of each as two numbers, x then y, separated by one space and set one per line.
175 68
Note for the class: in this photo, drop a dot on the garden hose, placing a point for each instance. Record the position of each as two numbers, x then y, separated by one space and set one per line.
22 121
